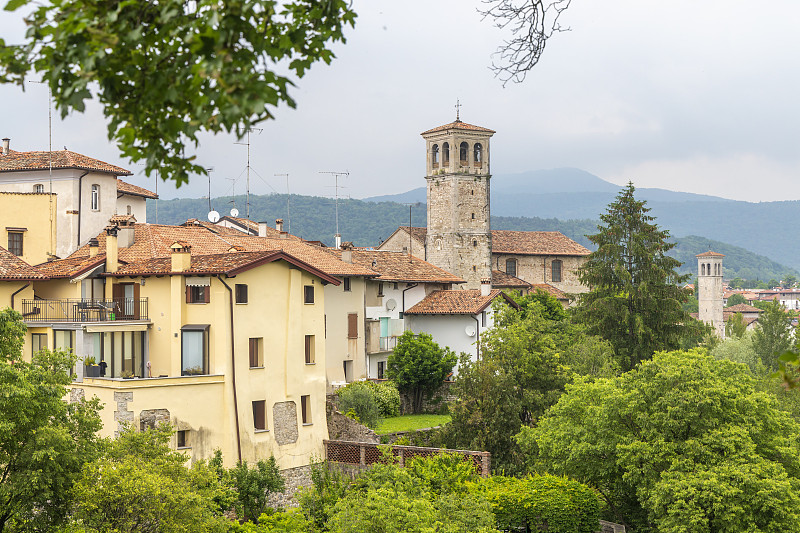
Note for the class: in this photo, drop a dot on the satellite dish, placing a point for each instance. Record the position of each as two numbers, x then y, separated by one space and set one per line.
470 331
213 217
391 304
234 212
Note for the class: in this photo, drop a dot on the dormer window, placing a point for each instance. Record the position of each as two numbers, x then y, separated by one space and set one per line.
95 197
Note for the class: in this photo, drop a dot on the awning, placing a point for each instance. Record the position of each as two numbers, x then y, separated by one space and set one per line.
102 328
198 281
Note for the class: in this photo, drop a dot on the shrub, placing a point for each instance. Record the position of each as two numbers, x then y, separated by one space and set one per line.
387 397
358 398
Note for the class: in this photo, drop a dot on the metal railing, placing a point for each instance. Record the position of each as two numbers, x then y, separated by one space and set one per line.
84 309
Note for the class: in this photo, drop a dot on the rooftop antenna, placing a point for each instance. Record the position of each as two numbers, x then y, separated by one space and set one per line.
213 216
50 158
288 212
410 243
249 130
338 236
234 211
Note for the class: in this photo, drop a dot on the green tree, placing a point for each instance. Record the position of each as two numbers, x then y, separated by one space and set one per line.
773 335
736 326
358 399
635 297
789 281
419 366
44 440
681 443
253 487
167 71
736 299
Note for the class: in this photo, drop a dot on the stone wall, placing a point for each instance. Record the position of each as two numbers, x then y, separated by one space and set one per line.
341 427
435 402
538 269
294 479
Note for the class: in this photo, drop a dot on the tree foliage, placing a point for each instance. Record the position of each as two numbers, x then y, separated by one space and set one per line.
736 299
419 366
635 297
166 71
681 443
736 326
773 335
44 441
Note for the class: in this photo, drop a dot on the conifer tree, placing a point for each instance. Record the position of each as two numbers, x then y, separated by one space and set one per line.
635 294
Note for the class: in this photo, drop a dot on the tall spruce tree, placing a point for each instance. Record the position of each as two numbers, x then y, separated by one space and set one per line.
635 296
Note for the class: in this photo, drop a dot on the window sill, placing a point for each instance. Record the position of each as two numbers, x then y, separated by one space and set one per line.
198 303
261 431
308 423
256 367
241 303
184 448
310 364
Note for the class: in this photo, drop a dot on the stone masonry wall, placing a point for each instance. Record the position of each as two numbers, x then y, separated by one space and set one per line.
433 403
538 269
341 427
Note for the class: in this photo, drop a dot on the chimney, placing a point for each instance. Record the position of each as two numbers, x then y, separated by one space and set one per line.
347 252
279 224
94 247
126 235
181 256
338 240
112 249
486 286
6 143
262 229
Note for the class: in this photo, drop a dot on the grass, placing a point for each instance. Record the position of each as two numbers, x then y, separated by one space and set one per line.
410 423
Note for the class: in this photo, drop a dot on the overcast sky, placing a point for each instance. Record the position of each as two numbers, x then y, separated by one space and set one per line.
683 95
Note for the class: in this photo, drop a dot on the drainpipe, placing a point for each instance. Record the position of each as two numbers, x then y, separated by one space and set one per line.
80 207
233 372
403 305
478 338
17 292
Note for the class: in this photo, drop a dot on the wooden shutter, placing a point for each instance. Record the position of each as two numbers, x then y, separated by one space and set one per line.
352 326
188 294
253 352
207 294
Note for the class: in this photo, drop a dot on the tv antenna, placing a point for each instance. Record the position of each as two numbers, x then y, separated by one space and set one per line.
209 170
410 242
338 236
249 130
234 211
50 159
288 212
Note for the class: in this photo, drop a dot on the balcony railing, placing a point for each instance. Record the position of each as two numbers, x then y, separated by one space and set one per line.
84 309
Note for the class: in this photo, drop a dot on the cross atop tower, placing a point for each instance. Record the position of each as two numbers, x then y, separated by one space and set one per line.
458 110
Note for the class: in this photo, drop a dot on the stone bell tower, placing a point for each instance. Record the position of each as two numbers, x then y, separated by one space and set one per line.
709 290
459 237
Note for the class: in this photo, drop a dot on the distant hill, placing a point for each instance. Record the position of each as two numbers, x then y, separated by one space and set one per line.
368 223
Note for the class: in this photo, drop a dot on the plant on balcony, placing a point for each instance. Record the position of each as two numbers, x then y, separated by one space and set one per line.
126 374
90 367
193 371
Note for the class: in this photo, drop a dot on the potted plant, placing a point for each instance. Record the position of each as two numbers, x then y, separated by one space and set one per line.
126 374
90 367
193 371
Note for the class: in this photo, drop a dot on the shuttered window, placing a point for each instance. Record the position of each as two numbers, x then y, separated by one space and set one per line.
352 326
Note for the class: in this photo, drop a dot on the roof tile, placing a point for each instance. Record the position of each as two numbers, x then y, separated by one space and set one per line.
456 302
41 160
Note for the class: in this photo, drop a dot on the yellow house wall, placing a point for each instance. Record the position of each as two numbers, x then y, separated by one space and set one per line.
29 211
338 347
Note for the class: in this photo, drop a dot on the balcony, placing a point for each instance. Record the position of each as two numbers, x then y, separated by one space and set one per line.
84 310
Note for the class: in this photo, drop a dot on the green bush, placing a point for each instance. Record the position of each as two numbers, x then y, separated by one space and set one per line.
384 395
359 399
543 502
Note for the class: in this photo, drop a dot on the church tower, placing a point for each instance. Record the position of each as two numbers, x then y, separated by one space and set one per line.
459 237
709 290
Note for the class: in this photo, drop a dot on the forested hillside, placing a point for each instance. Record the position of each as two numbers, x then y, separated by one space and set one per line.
369 223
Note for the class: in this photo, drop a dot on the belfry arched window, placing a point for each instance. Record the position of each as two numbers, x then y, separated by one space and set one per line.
446 154
435 155
703 269
478 154
463 150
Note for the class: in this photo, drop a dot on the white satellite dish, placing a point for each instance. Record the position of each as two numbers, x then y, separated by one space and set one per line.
391 304
470 331
213 217
234 212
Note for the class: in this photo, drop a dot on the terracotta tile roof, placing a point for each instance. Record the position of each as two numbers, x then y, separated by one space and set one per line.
743 308
458 125
710 254
225 263
535 243
122 219
552 291
18 161
395 266
503 280
747 320
14 268
134 190
71 266
418 234
252 227
457 302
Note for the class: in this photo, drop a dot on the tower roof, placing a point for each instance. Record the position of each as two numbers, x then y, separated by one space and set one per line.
710 254
458 125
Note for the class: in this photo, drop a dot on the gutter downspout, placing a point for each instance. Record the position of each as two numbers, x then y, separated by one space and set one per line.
233 372
403 305
80 205
17 292
478 339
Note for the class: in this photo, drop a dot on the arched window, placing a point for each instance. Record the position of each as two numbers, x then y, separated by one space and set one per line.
478 154
511 267
474 242
95 197
38 188
446 153
435 155
462 153
708 268
555 271
703 269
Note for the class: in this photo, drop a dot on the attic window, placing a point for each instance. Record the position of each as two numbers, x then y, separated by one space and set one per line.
38 188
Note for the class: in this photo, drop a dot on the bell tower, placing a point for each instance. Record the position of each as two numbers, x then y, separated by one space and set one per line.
709 290
459 237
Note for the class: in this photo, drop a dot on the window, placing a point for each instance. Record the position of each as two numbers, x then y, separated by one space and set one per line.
446 153
15 242
395 285
95 197
119 351
381 369
555 268
352 326
241 293
478 154
183 438
463 149
347 368
473 216
198 294
475 242
305 407
63 339
308 294
256 350
435 155
129 209
194 350
483 319
38 342
310 353
346 284
511 267
380 289
38 188
260 415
